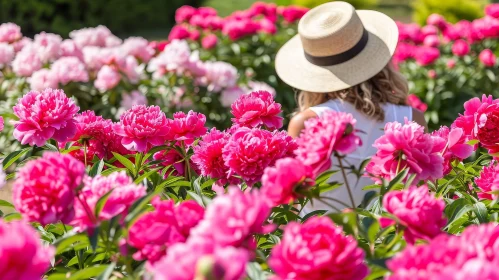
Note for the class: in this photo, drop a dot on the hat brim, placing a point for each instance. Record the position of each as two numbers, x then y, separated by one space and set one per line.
295 70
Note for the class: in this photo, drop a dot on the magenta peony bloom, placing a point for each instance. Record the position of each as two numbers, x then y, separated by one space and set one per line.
70 49
471 255
456 147
139 48
44 190
155 231
492 10
322 137
24 257
48 46
7 54
436 20
2 123
267 26
487 57
286 181
184 13
209 41
26 62
124 194
417 210
142 127
44 115
460 48
247 213
407 146
187 127
416 103
179 32
42 79
488 182
69 69
250 151
431 41
107 78
292 13
10 32
257 109
472 109
190 260
317 249
426 55
237 28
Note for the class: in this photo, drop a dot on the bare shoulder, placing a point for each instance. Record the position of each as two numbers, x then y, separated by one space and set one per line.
297 122
418 117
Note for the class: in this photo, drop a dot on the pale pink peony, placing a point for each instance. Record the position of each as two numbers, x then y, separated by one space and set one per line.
135 97
24 257
487 57
460 48
48 46
131 69
471 255
246 212
451 63
6 54
44 190
10 32
187 127
69 69
407 146
124 193
250 151
219 75
316 250
488 182
257 109
416 103
472 109
198 257
142 127
19 45
230 95
175 57
42 79
208 154
260 86
99 36
455 148
107 78
333 132
44 115
417 210
26 62
139 48
69 48
287 181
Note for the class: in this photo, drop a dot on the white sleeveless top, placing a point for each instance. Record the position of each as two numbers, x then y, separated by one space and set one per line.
372 130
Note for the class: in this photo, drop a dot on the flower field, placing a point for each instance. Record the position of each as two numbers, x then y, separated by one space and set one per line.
131 159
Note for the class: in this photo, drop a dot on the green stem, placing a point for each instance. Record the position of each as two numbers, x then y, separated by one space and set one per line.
346 182
328 204
85 152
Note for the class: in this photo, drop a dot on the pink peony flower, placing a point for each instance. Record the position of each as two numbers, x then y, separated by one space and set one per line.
2 123
247 213
124 194
460 48
69 48
317 249
10 32
188 214
69 69
451 63
292 13
472 109
6 54
286 181
260 86
410 33
250 151
179 32
431 41
470 255
432 74
24 257
487 182
19 45
99 36
487 57
416 103
107 78
44 190
407 146
492 10
257 109
42 79
187 127
135 97
333 132
230 95
44 115
485 129
198 257
175 161
209 41
236 29
175 57
142 127
426 55
26 62
139 48
219 75
48 46
403 52
456 147
184 13
436 20
417 210
267 26
429 30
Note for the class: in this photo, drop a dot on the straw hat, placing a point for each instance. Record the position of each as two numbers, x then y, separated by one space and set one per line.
336 48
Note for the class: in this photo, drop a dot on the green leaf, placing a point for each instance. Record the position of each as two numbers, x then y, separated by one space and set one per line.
6 203
481 212
112 170
51 147
313 213
371 187
73 261
200 199
397 180
457 209
94 238
324 176
57 276
126 162
13 157
66 242
137 207
89 272
101 203
107 273
146 175
97 168
12 217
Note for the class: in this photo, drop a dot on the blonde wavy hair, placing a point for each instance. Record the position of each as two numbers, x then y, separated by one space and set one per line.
388 86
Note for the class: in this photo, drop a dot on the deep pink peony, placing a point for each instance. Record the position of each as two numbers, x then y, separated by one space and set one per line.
187 127
431 41
10 32
208 154
44 115
426 55
179 32
42 79
403 52
246 213
184 13
416 103
44 190
142 127
472 109
487 121
267 26
24 257
26 62
236 29
317 250
488 182
2 124
155 231
455 148
209 41
407 146
257 109
492 10
471 255
460 48
124 193
108 77
287 181
292 13
417 210
333 132
198 257
436 20
69 69
487 57
250 151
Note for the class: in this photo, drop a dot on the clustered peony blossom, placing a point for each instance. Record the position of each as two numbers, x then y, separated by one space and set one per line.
44 115
10 32
407 146
142 127
460 48
456 147
333 132
99 36
48 46
139 48
44 190
26 62
257 109
42 79
23 255
69 69
416 103
315 250
249 151
487 57
108 77
417 210
209 41
219 75
473 108
187 127
166 225
6 54
488 182
286 181
70 49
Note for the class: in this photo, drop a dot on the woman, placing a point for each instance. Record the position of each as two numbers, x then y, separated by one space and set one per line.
340 60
